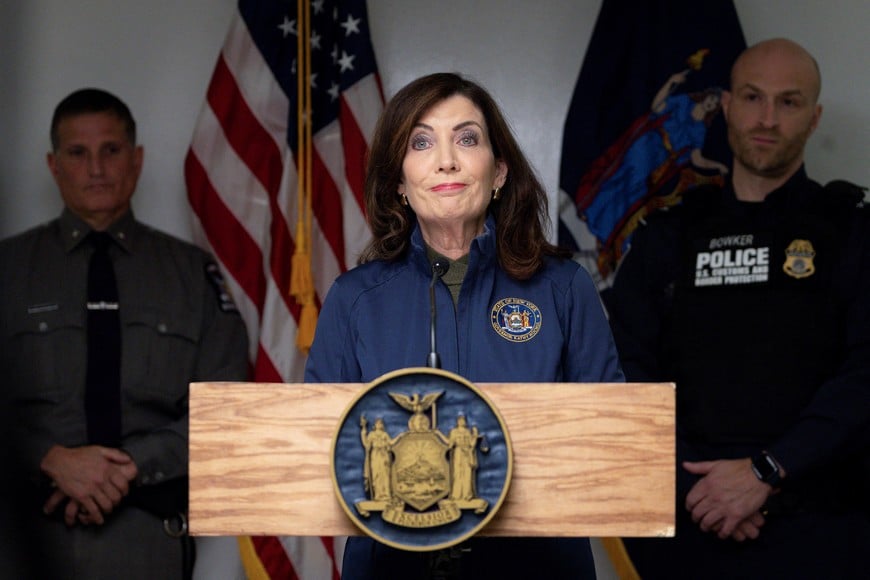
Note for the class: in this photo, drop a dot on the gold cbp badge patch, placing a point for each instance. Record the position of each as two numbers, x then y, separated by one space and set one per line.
799 259
407 481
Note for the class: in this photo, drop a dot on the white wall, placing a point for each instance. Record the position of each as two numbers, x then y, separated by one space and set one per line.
158 56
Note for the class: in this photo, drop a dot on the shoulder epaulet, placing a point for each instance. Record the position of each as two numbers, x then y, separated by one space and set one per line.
846 192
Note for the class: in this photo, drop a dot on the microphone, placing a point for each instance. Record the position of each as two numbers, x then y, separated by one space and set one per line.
439 268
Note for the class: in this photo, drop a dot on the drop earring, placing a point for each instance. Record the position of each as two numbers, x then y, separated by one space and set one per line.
496 193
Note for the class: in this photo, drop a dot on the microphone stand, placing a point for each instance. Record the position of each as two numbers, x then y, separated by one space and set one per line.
439 268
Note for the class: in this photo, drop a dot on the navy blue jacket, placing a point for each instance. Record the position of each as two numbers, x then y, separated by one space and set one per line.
375 319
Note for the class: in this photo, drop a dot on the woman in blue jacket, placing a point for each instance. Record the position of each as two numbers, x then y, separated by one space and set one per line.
447 181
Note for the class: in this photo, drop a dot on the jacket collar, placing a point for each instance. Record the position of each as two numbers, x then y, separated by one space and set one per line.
73 230
482 252
792 193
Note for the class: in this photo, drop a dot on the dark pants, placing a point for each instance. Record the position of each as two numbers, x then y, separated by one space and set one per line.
132 545
797 545
479 559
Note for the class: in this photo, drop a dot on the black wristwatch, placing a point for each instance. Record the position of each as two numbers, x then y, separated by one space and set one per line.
766 469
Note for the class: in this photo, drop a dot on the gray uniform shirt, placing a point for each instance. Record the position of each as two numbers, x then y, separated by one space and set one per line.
178 325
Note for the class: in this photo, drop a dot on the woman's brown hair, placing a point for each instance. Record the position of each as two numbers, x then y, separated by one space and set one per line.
520 212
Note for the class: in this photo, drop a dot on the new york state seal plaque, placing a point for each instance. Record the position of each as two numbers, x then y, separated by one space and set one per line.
421 459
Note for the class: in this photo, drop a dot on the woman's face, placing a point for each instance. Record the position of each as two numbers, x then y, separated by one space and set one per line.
449 170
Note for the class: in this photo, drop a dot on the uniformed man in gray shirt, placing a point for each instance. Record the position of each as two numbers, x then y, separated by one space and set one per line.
99 420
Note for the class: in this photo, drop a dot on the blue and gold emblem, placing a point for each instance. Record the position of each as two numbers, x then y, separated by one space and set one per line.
515 319
421 460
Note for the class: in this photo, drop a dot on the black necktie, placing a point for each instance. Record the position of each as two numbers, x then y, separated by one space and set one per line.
103 387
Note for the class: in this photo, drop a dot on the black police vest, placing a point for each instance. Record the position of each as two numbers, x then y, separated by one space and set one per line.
756 325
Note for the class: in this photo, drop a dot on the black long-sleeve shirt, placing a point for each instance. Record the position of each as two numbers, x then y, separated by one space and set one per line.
760 312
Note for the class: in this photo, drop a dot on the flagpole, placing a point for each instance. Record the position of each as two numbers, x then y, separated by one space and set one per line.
301 280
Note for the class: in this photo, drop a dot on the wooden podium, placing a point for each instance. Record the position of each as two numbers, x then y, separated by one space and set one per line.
592 459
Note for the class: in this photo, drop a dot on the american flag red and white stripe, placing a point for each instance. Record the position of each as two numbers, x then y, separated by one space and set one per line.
241 173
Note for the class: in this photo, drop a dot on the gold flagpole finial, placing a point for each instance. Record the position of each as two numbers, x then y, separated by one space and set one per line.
696 61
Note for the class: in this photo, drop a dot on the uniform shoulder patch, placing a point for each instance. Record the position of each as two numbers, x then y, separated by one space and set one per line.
219 285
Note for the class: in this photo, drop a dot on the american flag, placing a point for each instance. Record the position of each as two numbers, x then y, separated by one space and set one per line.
242 182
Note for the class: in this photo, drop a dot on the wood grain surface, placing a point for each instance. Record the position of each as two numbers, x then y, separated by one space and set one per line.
589 459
